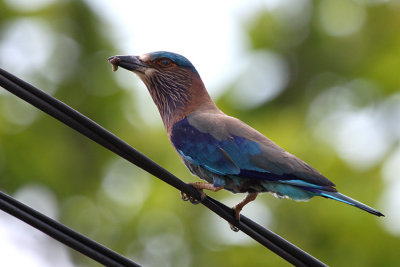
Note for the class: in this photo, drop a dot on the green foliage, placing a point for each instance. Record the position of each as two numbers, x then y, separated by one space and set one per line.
152 225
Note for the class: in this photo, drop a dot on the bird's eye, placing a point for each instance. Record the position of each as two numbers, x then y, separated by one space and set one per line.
164 62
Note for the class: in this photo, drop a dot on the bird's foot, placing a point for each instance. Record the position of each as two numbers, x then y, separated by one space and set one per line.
193 200
200 186
184 196
233 227
238 208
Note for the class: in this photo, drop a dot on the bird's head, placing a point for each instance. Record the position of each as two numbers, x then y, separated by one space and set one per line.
156 65
171 79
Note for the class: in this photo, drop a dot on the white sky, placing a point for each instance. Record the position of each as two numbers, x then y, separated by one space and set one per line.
206 32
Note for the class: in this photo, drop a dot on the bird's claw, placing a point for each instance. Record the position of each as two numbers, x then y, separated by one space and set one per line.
184 196
238 208
192 200
233 227
236 211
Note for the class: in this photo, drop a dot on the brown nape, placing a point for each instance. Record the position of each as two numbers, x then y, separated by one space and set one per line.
200 99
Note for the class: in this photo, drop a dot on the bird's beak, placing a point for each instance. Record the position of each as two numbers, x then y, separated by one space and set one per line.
132 63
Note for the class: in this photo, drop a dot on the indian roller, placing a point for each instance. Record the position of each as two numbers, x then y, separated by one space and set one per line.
222 150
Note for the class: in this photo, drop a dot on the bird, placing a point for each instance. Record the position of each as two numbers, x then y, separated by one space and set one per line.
220 149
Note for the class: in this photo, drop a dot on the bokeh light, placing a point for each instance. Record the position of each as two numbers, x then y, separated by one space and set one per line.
320 78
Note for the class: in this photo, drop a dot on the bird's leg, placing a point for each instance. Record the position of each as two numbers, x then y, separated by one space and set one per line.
238 208
200 186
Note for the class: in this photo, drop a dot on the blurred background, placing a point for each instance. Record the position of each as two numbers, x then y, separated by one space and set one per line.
320 78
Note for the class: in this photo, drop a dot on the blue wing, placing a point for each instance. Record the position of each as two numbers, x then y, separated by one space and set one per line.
224 157
234 156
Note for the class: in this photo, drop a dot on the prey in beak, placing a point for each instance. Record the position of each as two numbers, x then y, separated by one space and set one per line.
131 63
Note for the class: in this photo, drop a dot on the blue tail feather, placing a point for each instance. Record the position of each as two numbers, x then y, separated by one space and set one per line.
345 199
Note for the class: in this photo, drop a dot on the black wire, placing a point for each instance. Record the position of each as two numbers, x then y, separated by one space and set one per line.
62 233
92 130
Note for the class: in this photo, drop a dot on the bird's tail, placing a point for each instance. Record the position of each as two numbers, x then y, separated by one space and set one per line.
345 199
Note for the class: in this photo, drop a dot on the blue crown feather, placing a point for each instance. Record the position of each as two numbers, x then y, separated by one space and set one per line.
176 58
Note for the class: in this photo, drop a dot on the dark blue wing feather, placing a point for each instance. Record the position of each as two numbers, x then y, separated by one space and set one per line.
233 156
201 149
224 157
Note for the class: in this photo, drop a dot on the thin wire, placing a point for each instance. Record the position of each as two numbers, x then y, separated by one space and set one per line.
92 130
63 234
